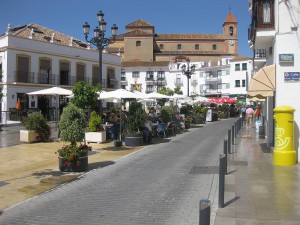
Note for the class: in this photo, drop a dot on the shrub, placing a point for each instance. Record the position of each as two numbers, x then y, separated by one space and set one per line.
36 121
166 114
72 124
136 117
94 122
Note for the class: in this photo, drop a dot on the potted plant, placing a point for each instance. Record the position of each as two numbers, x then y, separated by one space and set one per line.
73 157
135 123
199 118
95 132
37 128
187 122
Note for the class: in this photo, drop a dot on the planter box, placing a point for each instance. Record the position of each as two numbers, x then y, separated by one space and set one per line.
73 167
133 139
28 136
97 137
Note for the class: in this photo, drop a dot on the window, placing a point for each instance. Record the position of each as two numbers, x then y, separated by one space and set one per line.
270 51
219 73
237 83
149 88
160 75
161 46
45 68
123 76
214 47
237 67
80 69
149 75
179 47
23 74
138 43
64 73
243 83
196 47
135 74
244 66
231 31
266 12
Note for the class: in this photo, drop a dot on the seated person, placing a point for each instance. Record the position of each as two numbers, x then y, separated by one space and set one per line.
147 132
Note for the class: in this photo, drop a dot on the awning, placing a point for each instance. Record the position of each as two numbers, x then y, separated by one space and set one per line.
263 83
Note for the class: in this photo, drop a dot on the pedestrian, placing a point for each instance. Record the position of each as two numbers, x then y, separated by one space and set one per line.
249 115
243 110
147 132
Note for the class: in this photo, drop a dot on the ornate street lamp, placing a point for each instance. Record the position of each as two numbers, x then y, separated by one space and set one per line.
188 71
99 40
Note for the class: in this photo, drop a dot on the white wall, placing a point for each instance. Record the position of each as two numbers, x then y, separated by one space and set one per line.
288 42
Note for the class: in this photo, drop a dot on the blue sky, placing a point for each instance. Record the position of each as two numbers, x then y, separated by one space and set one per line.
168 16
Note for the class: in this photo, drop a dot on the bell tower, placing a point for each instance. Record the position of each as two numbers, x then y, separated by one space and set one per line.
230 34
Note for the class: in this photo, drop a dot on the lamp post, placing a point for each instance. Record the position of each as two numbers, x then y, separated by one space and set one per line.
188 71
99 40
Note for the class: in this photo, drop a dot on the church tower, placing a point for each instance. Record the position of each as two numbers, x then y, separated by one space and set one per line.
230 34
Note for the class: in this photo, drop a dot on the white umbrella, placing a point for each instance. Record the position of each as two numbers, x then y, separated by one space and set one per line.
54 91
119 94
177 96
156 95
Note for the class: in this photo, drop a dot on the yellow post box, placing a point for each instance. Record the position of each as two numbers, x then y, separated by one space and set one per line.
284 153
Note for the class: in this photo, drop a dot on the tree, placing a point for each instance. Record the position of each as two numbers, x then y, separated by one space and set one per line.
72 124
164 91
178 91
85 95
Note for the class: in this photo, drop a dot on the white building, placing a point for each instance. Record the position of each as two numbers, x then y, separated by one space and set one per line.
227 77
274 37
33 57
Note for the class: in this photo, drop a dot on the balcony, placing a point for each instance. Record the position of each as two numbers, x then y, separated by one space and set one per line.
52 79
151 78
260 57
262 28
213 78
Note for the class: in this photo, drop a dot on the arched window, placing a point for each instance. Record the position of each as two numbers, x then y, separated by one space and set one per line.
231 31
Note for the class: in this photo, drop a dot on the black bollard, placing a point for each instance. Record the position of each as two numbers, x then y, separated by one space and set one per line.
236 130
204 212
232 134
229 141
221 181
225 153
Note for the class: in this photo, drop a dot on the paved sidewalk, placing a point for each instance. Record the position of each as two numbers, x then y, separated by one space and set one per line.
256 191
27 170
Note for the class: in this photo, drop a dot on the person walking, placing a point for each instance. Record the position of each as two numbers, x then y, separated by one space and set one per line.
249 116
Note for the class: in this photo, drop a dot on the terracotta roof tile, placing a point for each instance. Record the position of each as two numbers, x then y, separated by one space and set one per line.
139 23
230 18
190 36
240 58
45 34
137 33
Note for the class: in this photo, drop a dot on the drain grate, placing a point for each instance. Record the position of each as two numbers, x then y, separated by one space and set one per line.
204 170
3 183
238 163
